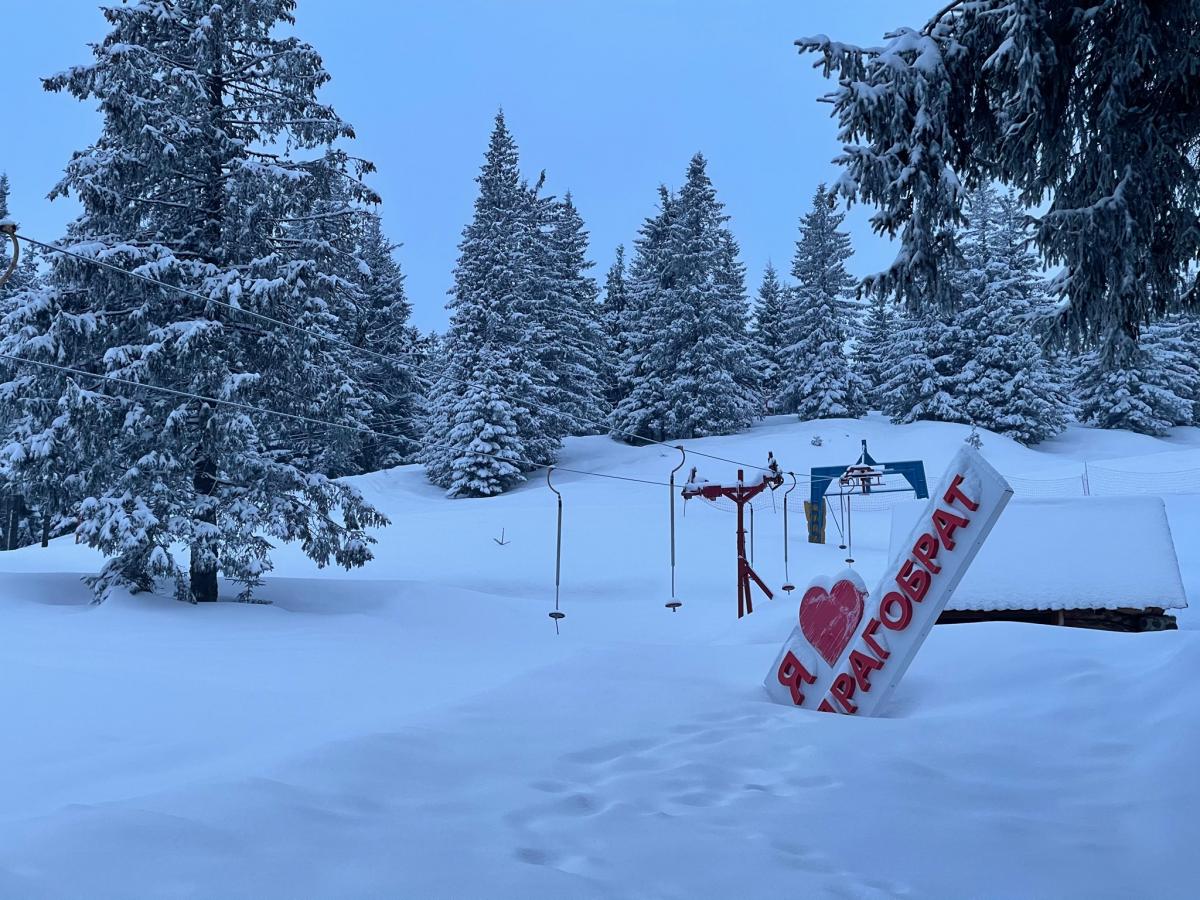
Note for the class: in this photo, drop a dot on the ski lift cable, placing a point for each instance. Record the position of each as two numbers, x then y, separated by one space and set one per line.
249 408
333 339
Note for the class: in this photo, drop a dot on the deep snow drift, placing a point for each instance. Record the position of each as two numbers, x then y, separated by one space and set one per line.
1121 553
417 729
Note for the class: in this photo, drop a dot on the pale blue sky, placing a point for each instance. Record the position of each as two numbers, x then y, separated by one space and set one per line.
610 97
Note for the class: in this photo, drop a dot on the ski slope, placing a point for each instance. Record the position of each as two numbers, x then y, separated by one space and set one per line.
417 729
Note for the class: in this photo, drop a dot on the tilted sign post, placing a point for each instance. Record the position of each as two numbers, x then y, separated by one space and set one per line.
851 648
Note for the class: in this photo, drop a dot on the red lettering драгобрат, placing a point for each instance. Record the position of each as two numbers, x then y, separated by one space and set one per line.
954 493
842 690
913 580
946 524
791 674
900 622
869 638
863 664
925 550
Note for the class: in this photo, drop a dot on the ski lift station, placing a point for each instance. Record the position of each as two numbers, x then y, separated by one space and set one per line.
1092 562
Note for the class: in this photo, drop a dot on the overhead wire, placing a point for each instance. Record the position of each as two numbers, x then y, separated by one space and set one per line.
842 496
333 339
406 364
249 408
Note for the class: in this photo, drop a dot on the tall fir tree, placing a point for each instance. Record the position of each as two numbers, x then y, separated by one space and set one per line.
21 519
198 178
1086 110
475 446
873 349
689 367
325 241
572 346
641 375
487 401
612 320
982 365
1004 382
1157 389
818 381
1134 396
768 332
1175 343
922 361
391 372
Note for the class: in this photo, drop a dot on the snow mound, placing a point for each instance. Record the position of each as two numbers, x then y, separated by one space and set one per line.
1068 553
417 729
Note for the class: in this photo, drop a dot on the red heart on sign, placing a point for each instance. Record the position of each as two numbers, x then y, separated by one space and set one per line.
828 619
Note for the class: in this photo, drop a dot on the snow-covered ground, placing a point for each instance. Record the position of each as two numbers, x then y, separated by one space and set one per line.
417 729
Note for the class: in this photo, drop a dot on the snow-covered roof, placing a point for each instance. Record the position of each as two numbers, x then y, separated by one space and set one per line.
1067 553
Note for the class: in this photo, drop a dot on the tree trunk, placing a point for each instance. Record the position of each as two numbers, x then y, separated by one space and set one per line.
14 521
203 564
203 567
204 581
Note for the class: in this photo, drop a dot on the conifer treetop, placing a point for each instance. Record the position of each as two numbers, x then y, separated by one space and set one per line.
1089 107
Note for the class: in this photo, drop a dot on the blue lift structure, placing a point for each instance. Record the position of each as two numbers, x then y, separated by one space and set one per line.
912 471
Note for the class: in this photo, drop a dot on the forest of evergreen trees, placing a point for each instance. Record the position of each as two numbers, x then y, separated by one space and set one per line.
219 416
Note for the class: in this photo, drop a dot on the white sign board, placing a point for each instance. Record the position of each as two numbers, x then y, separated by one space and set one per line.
851 647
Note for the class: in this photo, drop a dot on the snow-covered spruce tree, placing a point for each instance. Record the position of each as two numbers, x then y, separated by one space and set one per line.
983 365
378 322
873 350
1175 343
768 330
1134 395
642 407
612 320
426 354
571 351
1004 382
480 422
486 400
195 179
326 242
817 380
1087 105
20 522
1159 388
922 361
690 365
363 287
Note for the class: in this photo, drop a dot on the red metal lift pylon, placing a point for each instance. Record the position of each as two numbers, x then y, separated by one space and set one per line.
741 494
